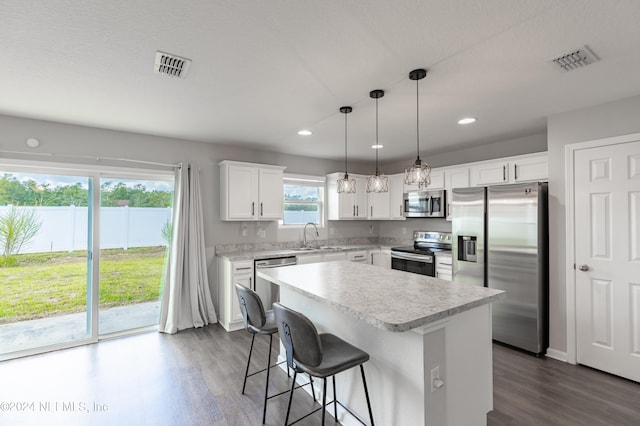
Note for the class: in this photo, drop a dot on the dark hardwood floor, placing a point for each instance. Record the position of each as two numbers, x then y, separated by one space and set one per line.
195 376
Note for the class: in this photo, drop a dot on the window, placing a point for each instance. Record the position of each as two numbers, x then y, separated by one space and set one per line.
303 199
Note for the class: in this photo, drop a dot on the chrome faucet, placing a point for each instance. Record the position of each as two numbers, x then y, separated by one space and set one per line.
304 239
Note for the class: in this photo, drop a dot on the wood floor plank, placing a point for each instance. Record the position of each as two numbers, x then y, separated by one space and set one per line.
195 378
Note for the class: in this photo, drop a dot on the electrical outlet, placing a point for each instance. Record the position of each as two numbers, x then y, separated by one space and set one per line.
436 381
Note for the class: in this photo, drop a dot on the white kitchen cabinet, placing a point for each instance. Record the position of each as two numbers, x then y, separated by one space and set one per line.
308 258
492 173
530 169
378 205
524 168
358 256
230 273
381 257
437 182
250 191
455 178
444 268
328 257
396 197
320 257
342 206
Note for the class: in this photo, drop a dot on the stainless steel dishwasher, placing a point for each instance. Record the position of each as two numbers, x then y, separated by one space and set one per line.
268 291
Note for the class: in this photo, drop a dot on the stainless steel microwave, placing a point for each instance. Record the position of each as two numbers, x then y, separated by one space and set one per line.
425 203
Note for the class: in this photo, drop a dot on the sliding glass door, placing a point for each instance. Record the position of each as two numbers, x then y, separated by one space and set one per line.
82 255
135 230
45 267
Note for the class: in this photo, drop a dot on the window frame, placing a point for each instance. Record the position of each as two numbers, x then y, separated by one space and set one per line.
305 180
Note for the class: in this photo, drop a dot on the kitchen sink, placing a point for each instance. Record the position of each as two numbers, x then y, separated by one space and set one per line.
329 248
303 248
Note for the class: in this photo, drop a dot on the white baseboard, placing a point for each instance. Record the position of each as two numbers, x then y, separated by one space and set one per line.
556 354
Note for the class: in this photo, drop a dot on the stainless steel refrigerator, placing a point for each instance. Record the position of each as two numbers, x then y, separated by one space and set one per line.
500 240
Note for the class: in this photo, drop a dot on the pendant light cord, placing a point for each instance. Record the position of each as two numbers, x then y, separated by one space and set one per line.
377 143
345 144
417 120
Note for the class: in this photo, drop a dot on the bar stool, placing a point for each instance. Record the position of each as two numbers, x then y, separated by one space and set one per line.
256 321
319 355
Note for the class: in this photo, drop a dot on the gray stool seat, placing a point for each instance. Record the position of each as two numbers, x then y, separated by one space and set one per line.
337 356
319 355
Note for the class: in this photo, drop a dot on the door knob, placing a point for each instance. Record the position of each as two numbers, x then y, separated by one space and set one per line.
584 268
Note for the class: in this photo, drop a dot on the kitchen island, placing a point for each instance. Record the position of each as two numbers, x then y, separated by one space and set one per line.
413 327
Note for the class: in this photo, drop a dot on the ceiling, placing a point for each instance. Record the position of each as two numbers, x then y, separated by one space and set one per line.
262 70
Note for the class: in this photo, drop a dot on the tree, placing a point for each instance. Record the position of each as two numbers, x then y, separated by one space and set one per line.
17 229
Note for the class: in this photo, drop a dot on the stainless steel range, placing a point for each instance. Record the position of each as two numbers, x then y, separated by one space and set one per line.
419 258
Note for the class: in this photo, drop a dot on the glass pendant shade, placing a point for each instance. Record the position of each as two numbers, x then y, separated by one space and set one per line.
345 184
419 172
377 182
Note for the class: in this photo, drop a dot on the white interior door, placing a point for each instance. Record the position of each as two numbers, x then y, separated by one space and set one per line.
607 254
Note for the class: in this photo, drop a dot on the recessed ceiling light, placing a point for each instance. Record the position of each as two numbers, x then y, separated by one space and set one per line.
33 142
377 146
305 132
467 120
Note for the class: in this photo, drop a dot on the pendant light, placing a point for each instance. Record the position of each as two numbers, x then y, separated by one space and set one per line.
418 173
377 182
345 184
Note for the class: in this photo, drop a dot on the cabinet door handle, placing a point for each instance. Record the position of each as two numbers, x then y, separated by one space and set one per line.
251 283
253 208
244 268
357 210
515 172
261 210
401 210
371 210
504 173
354 210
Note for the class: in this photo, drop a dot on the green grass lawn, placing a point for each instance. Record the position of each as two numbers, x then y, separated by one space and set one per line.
43 285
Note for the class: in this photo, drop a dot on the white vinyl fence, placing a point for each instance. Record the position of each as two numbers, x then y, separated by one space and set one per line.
65 228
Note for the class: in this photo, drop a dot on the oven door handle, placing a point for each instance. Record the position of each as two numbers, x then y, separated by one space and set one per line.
409 256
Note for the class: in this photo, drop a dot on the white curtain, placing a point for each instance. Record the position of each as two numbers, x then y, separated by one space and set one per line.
186 298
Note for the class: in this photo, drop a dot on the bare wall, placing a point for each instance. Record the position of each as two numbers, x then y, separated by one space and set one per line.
602 121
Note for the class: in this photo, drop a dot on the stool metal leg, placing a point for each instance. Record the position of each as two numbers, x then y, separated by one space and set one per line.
324 398
366 394
313 391
246 371
266 386
335 399
293 386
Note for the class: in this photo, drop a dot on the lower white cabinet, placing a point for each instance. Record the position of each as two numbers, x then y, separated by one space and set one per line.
358 256
328 257
381 257
230 273
444 267
308 258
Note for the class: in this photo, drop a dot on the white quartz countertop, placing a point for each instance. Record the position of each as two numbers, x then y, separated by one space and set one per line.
384 298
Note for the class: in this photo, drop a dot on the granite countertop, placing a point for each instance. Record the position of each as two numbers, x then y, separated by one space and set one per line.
266 254
384 298
444 253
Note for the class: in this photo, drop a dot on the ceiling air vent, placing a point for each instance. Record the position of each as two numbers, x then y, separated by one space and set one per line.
172 65
576 59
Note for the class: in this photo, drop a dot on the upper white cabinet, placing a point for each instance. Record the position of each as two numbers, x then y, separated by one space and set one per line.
396 196
455 178
510 170
437 182
378 205
343 205
530 169
250 191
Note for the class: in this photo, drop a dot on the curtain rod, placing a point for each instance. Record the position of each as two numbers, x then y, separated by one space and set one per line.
97 158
